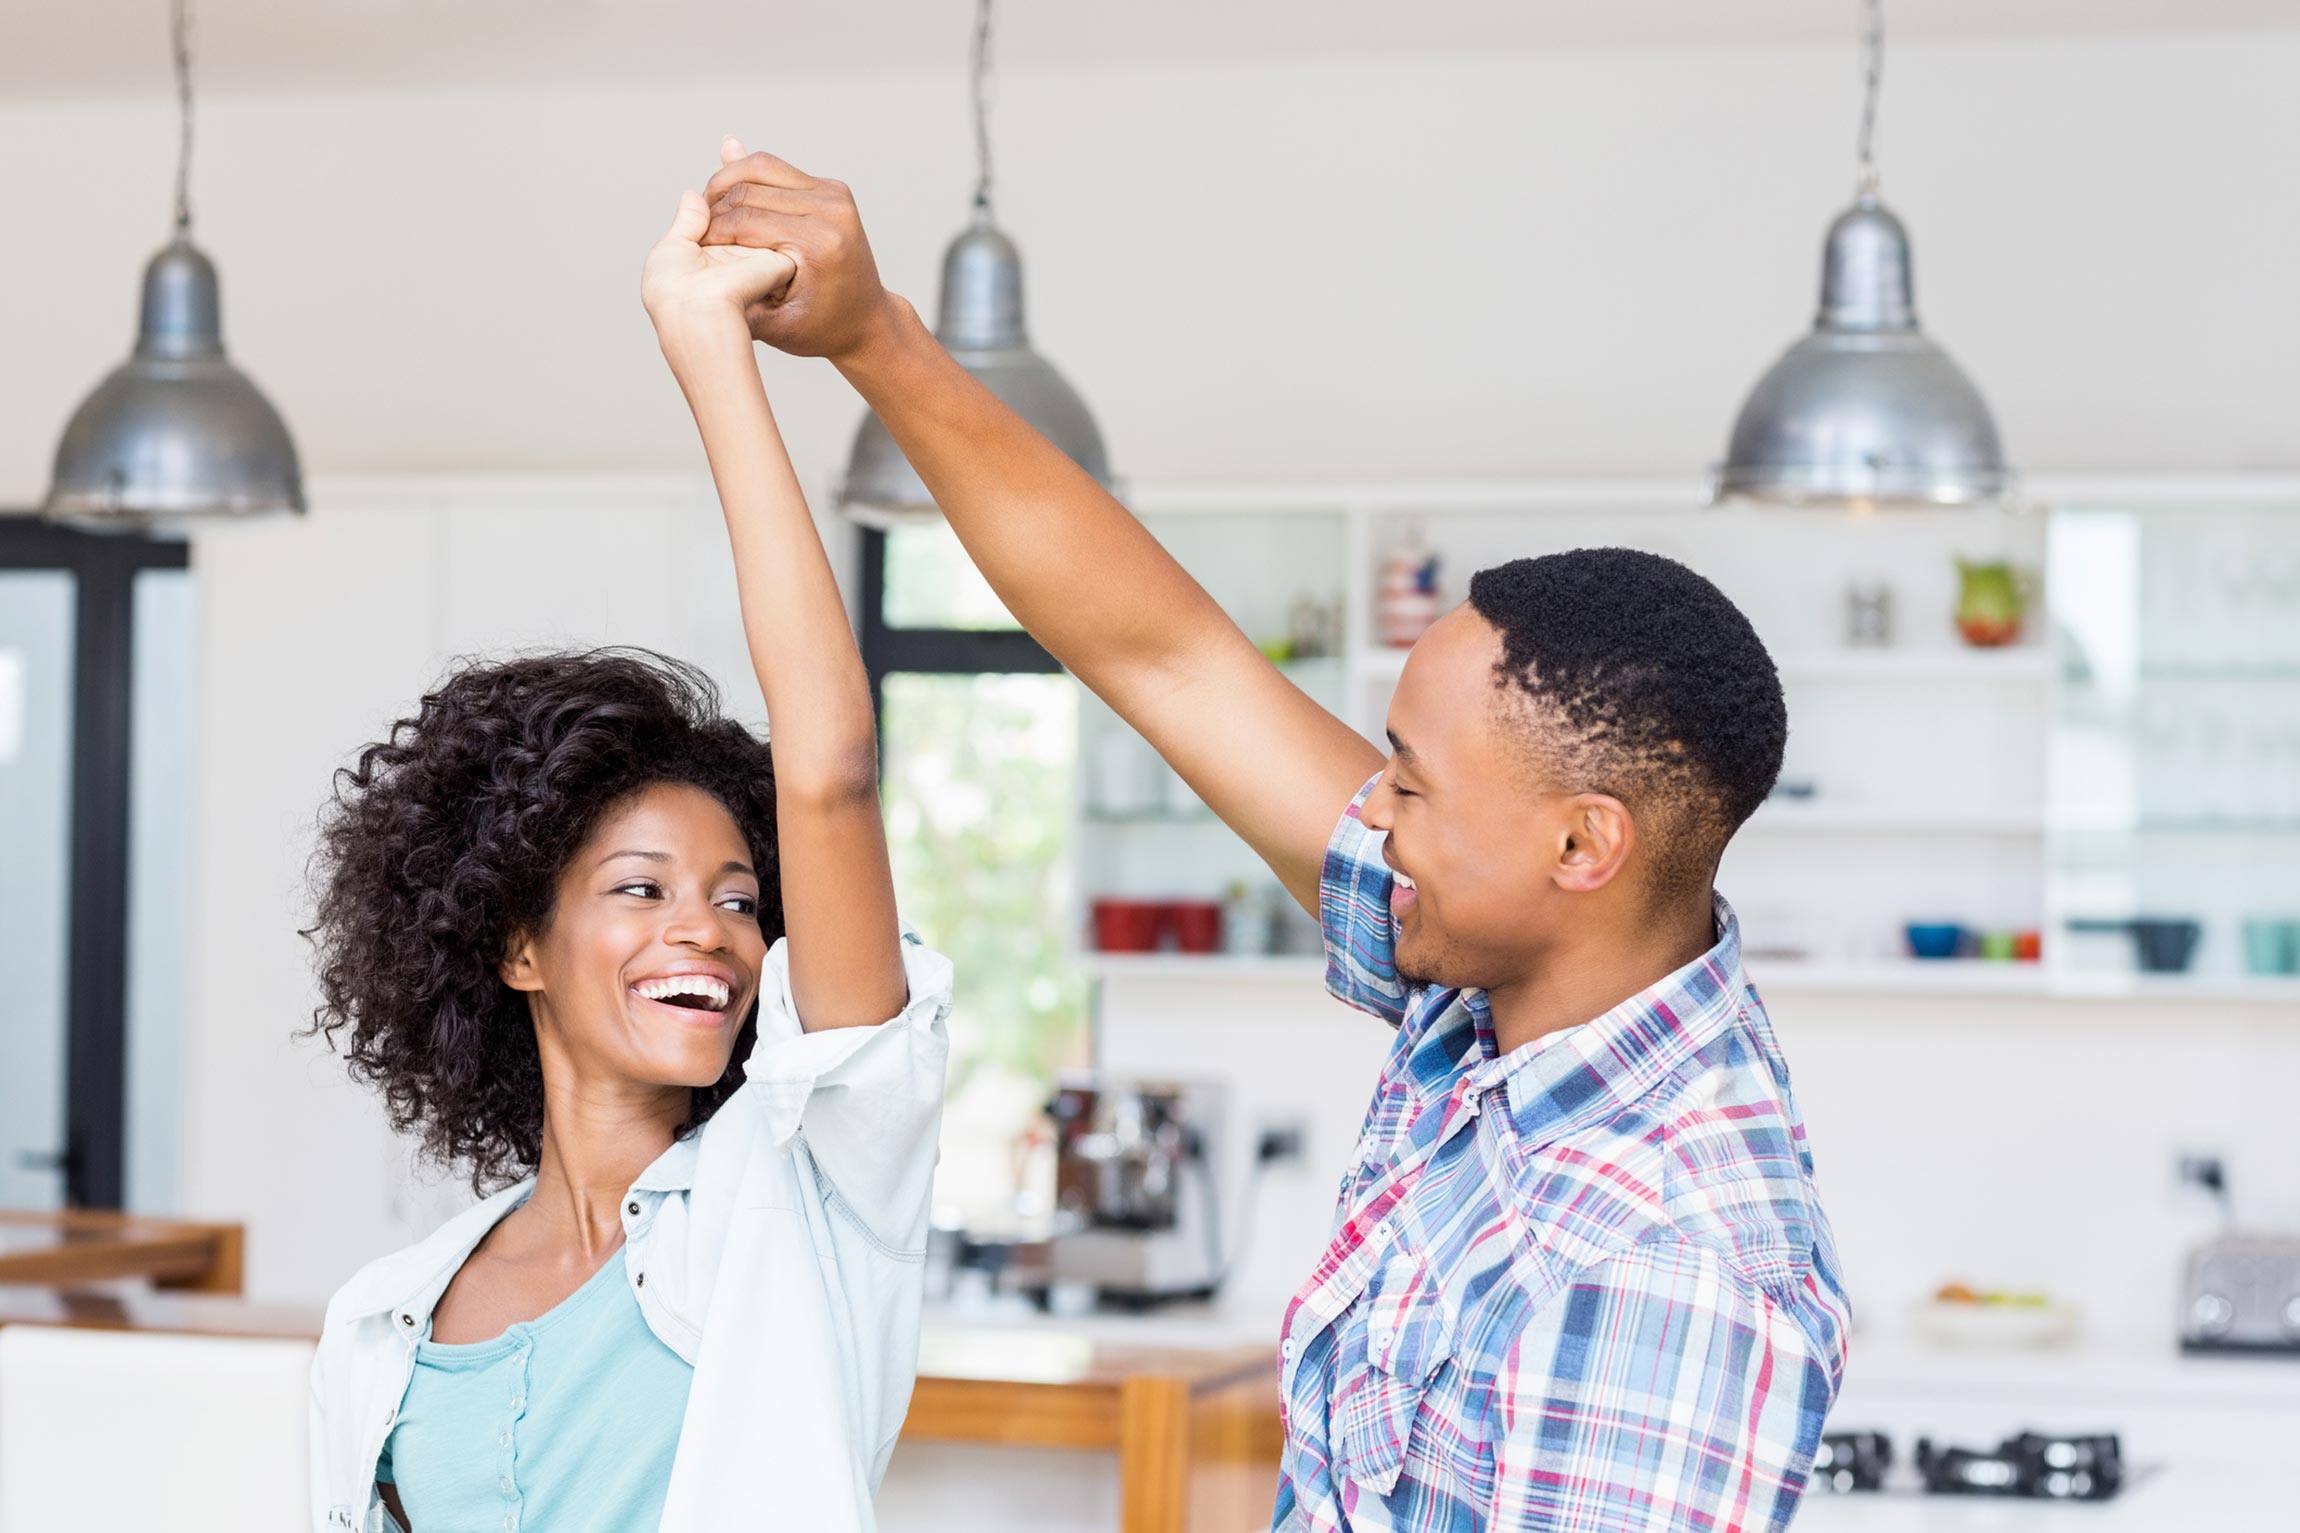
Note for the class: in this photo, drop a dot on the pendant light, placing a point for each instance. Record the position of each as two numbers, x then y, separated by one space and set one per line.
980 325
1865 411
176 432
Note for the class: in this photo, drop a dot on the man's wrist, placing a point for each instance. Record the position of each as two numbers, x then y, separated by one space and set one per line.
885 341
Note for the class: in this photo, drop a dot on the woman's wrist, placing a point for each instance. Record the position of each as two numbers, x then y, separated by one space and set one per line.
701 335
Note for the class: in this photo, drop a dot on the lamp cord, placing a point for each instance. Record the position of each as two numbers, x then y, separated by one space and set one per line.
982 109
182 29
1872 78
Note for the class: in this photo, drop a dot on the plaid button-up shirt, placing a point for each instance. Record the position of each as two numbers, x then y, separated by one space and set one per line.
1585 1285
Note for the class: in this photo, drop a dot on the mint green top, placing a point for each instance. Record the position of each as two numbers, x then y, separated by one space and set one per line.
569 1420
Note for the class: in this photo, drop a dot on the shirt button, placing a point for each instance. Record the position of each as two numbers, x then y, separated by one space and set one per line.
632 1208
505 1482
1286 1349
518 1401
406 1319
640 1281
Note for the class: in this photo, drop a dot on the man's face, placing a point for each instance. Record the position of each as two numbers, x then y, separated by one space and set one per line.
1474 832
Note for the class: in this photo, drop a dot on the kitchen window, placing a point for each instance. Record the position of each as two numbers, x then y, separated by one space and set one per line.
978 732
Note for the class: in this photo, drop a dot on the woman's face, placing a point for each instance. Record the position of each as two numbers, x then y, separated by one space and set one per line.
651 957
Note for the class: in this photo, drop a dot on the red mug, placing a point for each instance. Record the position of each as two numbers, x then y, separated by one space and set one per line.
1128 926
1197 925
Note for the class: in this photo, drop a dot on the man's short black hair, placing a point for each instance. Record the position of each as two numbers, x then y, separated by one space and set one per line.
1647 684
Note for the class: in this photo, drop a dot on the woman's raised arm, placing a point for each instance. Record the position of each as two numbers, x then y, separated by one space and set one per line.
838 892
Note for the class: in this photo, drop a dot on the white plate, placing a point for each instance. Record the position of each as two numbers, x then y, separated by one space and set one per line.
1995 1327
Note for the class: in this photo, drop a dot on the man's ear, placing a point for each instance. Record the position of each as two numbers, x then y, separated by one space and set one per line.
519 969
1598 840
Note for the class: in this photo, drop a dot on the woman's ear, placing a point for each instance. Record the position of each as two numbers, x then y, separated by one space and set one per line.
1599 836
519 969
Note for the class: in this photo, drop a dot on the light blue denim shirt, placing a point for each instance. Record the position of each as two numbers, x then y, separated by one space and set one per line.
780 1251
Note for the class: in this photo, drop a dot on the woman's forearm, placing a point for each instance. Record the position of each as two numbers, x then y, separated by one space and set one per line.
838 896
794 619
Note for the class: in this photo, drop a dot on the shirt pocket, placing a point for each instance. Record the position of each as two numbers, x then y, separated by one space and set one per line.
1395 1341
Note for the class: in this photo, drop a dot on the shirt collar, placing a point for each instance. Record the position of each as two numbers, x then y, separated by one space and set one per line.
1585 1074
674 1169
410 1282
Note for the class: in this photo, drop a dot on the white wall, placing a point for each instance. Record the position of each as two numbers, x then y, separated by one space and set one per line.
1502 266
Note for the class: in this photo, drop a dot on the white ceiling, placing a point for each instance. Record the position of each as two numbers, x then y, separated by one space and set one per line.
118 47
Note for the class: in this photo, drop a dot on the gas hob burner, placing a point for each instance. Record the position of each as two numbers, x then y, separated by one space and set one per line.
1852 1461
2033 1464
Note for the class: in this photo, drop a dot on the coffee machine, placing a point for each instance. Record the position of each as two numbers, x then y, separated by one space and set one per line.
1138 1177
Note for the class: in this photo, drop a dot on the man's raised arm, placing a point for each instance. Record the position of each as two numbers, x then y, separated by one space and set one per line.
1073 566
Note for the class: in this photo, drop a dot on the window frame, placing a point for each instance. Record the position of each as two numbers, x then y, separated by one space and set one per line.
932 651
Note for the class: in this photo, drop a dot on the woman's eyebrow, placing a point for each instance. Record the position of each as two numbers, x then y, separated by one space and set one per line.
649 856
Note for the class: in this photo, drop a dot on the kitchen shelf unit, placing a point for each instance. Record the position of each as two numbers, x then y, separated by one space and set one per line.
1964 977
1930 757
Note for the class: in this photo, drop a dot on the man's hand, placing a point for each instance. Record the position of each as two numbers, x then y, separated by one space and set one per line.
835 306
690 291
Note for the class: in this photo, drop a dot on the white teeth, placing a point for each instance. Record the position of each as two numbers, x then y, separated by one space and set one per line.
703 985
1403 881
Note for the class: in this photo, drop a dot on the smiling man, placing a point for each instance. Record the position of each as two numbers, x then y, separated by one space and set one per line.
1579 1277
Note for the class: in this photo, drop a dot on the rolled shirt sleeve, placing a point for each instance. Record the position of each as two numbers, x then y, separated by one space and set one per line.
1354 913
1662 1393
868 1100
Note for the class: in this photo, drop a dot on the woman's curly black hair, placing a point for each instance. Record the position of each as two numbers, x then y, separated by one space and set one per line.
445 841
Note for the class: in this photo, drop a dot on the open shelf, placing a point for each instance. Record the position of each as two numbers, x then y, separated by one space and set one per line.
1785 976
1858 820
1902 976
2028 664
1309 966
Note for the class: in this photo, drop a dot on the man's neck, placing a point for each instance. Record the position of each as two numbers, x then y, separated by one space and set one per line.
1596 970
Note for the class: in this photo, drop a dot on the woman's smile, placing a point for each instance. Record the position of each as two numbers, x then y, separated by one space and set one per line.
693 994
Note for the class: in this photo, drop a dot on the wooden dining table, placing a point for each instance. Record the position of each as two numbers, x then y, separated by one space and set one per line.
73 1248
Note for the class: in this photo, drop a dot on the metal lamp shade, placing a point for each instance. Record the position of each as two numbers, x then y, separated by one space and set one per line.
980 324
1865 411
176 432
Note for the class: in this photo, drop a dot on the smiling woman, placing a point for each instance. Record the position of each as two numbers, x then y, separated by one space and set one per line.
465 864
640 973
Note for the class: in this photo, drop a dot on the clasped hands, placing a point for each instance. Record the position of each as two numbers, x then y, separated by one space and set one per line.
781 250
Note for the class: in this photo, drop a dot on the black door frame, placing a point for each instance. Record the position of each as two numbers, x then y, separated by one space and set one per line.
104 566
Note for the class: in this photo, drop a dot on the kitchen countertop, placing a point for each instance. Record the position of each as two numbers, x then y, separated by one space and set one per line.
2199 1499
1882 1360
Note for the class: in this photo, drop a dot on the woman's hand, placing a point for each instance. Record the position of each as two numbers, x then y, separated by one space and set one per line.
696 291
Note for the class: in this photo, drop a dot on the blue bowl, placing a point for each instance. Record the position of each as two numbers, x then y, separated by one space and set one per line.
1934 939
